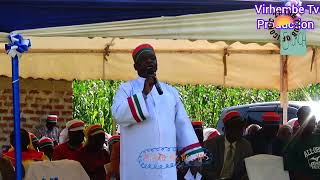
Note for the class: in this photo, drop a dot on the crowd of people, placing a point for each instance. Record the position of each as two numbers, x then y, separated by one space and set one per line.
154 121
89 146
300 149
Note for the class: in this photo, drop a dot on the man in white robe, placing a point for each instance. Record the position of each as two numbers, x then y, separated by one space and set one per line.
152 124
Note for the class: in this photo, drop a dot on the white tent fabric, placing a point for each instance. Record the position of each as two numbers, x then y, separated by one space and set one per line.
228 26
180 61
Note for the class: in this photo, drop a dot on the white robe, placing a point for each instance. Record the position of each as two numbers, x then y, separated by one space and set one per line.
159 121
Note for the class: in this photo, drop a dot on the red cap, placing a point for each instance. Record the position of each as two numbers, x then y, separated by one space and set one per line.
45 141
271 117
139 50
197 123
52 118
231 115
213 134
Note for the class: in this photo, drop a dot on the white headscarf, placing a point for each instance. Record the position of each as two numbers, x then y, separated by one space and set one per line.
63 137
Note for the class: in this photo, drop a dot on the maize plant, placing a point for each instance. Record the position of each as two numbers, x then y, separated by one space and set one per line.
93 99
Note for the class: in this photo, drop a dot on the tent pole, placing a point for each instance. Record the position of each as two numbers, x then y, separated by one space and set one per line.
284 87
16 115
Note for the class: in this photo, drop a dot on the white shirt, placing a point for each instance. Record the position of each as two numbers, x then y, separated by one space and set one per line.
147 127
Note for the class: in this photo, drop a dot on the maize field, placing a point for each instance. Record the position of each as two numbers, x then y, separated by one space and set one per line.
93 99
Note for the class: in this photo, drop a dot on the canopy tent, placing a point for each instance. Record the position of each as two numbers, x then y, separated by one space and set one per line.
218 20
180 61
31 14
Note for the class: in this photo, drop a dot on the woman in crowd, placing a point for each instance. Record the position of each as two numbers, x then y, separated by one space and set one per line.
6 170
93 155
28 154
46 146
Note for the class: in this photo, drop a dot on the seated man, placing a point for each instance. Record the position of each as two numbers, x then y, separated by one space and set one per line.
93 155
6 170
282 139
252 130
301 157
71 149
50 129
229 151
28 155
113 168
46 146
209 133
264 139
34 145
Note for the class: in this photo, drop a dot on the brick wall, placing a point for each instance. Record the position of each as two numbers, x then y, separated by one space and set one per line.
38 98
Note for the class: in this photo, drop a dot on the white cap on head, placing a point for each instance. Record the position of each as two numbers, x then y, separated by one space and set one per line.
75 125
51 118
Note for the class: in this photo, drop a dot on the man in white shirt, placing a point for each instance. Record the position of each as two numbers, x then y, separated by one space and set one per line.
229 151
151 124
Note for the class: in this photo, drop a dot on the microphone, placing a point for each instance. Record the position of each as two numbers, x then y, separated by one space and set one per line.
156 82
158 87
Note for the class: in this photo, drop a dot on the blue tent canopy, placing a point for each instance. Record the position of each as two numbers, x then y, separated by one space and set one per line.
31 14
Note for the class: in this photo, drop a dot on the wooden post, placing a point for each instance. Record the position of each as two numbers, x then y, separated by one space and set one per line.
284 87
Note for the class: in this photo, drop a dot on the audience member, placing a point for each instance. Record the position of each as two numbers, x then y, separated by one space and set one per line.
301 156
262 142
28 155
282 139
105 145
209 133
229 151
93 156
114 167
252 130
46 146
294 125
6 170
198 129
50 129
71 149
34 144
63 137
285 132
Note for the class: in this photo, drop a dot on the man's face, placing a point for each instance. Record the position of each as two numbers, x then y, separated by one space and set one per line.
50 126
47 150
146 64
233 132
97 141
76 137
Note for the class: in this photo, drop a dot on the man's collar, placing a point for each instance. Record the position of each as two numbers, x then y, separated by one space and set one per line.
142 79
227 143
